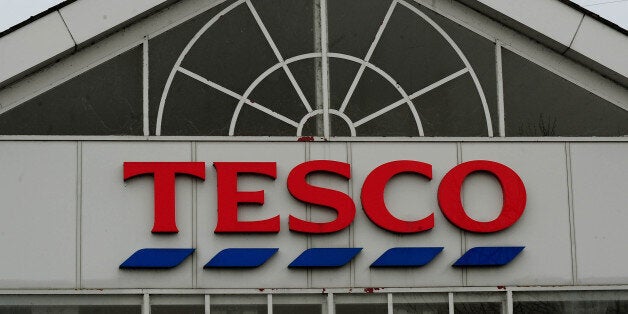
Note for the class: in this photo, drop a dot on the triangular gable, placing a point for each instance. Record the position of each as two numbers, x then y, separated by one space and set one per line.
292 68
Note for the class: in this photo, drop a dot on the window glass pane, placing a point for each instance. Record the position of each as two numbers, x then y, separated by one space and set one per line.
231 53
476 303
353 24
480 52
71 304
276 93
540 103
239 309
164 50
367 304
175 309
238 304
290 23
105 100
102 309
308 74
374 93
184 304
301 304
448 102
577 302
234 52
410 303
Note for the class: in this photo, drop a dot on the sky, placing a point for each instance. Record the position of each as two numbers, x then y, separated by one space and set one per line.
16 11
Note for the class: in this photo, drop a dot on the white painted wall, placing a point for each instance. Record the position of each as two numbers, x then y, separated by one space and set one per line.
67 218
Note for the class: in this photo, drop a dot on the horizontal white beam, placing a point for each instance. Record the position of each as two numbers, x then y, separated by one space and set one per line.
43 40
87 20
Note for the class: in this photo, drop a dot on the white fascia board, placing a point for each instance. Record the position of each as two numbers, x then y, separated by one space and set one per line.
564 30
42 40
552 19
596 41
88 20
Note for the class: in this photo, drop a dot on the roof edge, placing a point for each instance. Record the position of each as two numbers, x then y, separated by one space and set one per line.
570 40
35 17
595 16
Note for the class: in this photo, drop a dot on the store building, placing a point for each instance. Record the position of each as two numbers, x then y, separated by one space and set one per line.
404 156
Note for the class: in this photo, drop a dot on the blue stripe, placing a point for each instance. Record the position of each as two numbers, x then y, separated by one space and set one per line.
157 258
488 256
325 257
407 257
241 257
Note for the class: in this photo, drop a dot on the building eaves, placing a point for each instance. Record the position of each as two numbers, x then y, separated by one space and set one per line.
559 24
35 17
63 29
567 29
595 16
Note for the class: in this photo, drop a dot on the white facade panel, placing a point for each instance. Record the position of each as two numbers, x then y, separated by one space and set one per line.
277 201
408 197
600 173
544 227
88 19
117 216
33 44
39 233
338 277
38 215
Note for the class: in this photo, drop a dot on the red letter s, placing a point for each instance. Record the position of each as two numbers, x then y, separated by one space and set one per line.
338 201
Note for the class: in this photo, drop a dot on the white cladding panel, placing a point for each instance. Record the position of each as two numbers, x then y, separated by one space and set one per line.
117 216
339 277
544 226
600 173
40 190
277 201
38 215
408 197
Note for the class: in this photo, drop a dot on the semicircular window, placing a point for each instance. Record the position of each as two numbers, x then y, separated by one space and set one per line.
326 68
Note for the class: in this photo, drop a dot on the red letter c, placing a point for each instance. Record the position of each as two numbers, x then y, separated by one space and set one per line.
373 196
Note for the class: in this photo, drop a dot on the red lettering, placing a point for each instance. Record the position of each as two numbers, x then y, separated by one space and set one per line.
164 187
338 201
229 197
513 190
373 196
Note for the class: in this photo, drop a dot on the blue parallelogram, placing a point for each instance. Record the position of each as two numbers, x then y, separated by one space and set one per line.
156 258
488 256
407 257
241 258
324 257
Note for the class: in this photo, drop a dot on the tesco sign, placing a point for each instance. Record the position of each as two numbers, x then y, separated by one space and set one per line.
372 195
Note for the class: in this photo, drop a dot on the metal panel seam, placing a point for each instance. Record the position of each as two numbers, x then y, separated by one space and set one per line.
574 36
68 29
463 237
194 215
572 224
79 212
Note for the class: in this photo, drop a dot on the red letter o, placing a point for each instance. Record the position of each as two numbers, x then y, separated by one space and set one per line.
513 190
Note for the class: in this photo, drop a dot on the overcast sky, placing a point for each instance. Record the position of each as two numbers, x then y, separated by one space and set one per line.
15 11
